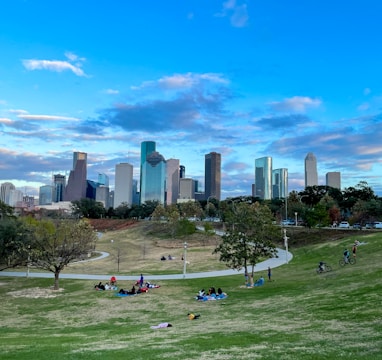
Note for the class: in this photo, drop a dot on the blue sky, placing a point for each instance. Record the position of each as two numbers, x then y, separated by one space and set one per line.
244 78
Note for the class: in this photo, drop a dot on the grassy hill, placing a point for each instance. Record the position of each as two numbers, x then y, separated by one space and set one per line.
299 315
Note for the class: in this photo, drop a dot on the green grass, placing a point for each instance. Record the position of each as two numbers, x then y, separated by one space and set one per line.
299 315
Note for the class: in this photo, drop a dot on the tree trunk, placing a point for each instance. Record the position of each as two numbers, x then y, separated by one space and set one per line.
56 278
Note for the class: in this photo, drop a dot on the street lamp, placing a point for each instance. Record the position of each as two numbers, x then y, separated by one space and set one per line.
29 259
184 260
286 245
295 217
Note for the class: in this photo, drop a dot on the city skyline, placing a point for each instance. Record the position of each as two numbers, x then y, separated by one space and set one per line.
246 80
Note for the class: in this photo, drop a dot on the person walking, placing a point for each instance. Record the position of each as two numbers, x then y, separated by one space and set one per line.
269 273
141 281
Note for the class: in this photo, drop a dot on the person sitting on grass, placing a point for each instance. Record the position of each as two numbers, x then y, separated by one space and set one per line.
259 282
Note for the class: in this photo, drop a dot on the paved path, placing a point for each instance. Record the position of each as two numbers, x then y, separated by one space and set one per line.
283 258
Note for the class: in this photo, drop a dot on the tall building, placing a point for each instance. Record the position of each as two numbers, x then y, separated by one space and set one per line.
103 179
172 181
123 189
263 178
5 191
279 183
311 176
15 198
212 176
45 195
186 189
333 179
76 187
147 147
102 195
153 179
182 171
59 183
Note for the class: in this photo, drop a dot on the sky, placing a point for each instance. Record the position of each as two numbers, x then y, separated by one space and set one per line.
246 79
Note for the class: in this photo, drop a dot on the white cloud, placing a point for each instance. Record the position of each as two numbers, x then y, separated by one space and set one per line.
363 107
111 91
47 118
238 13
6 121
296 104
57 65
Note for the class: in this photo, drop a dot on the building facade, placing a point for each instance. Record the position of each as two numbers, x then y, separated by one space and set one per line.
147 147
212 176
77 184
153 179
279 183
45 195
123 188
59 183
311 175
333 179
5 191
172 181
263 178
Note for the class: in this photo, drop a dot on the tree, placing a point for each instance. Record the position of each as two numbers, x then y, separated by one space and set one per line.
250 236
55 245
88 208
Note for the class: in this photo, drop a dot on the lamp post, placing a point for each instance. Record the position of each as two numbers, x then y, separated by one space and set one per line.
184 260
295 217
286 245
29 260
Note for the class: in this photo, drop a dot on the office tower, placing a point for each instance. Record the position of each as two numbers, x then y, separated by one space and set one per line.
212 176
15 198
311 176
333 179
102 195
135 193
263 178
186 189
182 171
172 181
91 189
147 147
123 189
59 182
45 195
5 190
153 178
76 187
103 179
279 183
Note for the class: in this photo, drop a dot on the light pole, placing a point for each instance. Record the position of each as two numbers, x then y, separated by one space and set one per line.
295 217
184 260
29 259
286 245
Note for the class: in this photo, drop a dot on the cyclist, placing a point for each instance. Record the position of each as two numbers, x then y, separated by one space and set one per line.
346 256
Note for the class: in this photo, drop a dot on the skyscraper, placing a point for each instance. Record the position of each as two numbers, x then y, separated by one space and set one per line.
5 191
59 182
182 171
172 181
123 189
153 179
212 176
263 178
279 183
147 147
311 176
333 179
76 187
45 195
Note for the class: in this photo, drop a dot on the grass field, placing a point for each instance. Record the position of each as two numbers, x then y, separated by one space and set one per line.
299 315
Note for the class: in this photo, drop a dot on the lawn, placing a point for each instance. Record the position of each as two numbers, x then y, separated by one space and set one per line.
299 315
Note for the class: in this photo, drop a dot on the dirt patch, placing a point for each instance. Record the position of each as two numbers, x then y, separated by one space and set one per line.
111 224
35 293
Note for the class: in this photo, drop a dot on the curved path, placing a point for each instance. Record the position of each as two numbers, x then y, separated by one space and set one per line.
282 258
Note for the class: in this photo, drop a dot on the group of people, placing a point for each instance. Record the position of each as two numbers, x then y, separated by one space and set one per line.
112 285
354 251
212 294
169 257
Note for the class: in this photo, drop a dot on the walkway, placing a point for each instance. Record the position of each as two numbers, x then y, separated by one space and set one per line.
282 258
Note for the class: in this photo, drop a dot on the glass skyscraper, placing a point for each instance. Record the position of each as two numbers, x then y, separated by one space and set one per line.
279 183
147 147
263 178
153 179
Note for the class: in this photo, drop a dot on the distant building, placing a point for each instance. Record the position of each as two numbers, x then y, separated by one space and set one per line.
186 189
182 171
45 195
77 184
279 183
123 188
147 147
212 176
5 190
172 181
333 179
102 195
15 198
103 179
263 178
311 176
153 179
59 183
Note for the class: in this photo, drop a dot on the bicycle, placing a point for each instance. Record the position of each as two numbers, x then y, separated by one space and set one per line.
325 268
350 261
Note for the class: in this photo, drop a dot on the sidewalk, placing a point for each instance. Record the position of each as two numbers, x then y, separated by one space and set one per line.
282 258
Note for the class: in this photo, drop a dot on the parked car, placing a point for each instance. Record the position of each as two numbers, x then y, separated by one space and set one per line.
357 226
344 225
377 225
369 226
